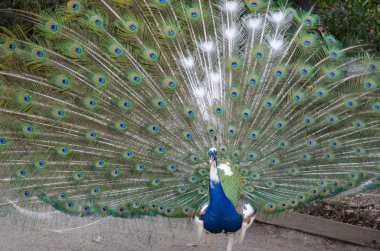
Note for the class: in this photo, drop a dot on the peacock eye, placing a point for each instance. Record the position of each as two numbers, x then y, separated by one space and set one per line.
54 27
102 80
40 54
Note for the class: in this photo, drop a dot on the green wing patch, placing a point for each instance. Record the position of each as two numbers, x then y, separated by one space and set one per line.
230 179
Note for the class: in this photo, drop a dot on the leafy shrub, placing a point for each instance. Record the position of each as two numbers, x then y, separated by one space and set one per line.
352 21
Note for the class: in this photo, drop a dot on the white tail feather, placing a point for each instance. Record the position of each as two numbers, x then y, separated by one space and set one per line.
31 214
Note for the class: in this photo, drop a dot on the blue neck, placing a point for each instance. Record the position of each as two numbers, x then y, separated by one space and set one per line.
217 195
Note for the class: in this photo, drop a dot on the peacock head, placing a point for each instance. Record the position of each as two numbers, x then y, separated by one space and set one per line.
212 153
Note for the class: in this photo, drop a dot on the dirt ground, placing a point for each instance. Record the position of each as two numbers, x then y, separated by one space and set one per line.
75 233
362 209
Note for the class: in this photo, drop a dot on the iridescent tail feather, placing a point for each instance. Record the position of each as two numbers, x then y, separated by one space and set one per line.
109 107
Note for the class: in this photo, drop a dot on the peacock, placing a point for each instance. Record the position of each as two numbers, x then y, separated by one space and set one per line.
212 110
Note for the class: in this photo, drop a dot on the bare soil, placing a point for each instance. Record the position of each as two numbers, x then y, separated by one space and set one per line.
75 233
362 209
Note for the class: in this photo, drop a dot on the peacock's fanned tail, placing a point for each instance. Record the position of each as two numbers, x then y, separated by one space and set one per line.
108 107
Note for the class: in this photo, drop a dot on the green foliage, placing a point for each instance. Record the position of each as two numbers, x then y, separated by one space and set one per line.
352 21
28 3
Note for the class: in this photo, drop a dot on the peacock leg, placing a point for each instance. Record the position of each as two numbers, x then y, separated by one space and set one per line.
199 228
230 243
198 222
208 241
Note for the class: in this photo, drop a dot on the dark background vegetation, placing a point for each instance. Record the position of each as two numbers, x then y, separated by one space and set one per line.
351 21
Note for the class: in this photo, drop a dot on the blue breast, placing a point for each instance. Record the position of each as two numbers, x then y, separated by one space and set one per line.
221 214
